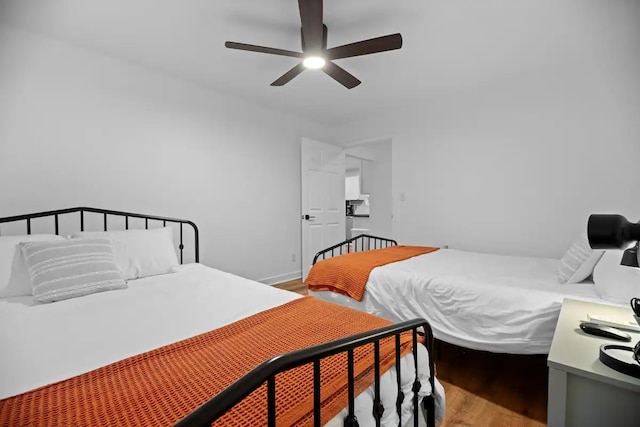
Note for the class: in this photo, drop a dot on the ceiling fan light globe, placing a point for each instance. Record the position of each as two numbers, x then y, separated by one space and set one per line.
314 62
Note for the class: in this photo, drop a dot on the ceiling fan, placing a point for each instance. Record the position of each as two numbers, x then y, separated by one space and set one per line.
315 54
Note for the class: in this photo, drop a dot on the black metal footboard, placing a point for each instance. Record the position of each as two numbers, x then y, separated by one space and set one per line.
210 411
363 242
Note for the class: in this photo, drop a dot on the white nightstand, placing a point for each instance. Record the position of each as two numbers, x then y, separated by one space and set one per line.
582 391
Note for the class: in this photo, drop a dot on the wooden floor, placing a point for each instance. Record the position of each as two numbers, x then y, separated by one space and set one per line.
486 389
294 286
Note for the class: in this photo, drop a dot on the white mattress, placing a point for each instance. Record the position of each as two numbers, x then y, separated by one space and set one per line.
502 304
46 343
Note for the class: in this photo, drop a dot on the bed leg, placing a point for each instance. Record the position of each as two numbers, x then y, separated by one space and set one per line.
429 407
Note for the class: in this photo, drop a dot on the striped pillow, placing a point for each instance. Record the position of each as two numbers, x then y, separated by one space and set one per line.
579 261
71 268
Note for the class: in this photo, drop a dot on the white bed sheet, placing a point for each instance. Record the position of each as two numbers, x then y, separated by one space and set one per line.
497 303
45 343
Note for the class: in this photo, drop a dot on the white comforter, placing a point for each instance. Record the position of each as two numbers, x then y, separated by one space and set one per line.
45 343
504 304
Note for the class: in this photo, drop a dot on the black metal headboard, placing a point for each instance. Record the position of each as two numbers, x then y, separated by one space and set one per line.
27 218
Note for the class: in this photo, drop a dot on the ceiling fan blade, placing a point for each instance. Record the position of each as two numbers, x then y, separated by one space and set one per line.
366 47
341 75
289 75
312 29
262 49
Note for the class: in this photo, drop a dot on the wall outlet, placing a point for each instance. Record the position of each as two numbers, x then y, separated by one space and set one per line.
403 196
293 257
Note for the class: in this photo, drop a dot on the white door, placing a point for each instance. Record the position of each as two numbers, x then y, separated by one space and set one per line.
323 203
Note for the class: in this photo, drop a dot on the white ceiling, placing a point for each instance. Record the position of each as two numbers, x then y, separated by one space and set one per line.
449 45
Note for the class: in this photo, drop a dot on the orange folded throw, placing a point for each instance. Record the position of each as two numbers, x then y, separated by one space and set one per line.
348 274
160 387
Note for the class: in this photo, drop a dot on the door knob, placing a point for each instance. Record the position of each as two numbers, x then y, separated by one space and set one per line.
308 217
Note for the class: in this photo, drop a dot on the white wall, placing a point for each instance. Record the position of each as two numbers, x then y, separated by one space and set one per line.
379 179
81 128
517 164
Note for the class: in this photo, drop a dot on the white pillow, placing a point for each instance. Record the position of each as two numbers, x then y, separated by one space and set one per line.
614 282
579 261
71 268
14 279
140 253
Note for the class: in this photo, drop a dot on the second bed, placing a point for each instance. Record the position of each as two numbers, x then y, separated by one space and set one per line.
496 303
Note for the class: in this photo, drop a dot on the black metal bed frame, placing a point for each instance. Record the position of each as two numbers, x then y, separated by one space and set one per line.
351 245
105 214
213 409
210 411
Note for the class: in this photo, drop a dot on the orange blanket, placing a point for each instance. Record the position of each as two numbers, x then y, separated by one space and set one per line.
348 274
160 387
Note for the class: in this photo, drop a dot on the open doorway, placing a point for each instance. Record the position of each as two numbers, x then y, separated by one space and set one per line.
325 177
358 186
368 189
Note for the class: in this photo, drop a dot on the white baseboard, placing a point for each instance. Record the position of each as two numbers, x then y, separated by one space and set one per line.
281 278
